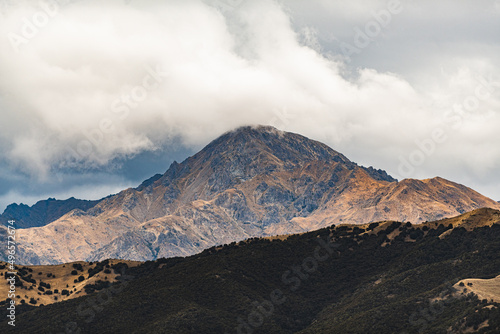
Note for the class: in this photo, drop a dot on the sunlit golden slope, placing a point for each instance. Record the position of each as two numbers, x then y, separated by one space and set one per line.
43 285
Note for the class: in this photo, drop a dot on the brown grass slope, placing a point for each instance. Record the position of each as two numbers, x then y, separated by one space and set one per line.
49 281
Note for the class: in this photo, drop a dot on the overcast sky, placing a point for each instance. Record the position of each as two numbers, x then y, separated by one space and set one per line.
96 96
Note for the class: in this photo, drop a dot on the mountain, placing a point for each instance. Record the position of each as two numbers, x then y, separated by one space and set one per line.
43 212
251 182
385 277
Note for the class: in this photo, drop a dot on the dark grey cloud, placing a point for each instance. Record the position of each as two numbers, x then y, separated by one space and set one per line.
89 183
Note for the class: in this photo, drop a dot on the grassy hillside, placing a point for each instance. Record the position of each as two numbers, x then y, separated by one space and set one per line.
380 278
43 285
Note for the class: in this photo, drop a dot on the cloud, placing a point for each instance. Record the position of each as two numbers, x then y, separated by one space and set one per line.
100 82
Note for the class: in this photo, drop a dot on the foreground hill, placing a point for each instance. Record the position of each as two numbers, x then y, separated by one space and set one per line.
252 182
43 212
343 279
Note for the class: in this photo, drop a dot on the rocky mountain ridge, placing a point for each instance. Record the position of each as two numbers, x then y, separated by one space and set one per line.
43 212
251 182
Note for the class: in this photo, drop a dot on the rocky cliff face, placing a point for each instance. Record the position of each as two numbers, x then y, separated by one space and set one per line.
255 181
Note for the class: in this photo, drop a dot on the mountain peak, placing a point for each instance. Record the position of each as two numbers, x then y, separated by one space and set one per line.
253 181
241 154
288 147
248 151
